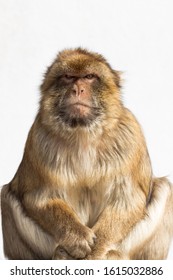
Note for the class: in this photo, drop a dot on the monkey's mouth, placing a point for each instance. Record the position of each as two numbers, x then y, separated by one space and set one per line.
78 114
80 108
80 105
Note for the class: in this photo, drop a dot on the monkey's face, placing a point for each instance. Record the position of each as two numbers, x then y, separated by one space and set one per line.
79 89
77 104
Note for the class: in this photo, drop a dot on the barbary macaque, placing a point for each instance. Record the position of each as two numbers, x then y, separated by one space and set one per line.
85 187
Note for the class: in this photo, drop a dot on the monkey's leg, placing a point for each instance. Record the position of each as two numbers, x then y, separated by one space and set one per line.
150 238
157 247
14 246
23 238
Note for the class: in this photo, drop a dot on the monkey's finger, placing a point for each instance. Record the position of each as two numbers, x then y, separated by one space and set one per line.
80 250
61 254
79 253
92 241
90 237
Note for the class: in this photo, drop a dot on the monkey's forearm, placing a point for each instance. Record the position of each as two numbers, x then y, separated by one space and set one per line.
55 216
62 223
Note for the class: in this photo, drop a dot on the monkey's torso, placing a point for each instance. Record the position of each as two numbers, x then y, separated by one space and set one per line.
88 173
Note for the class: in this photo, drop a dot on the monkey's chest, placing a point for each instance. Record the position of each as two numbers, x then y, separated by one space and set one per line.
86 183
88 203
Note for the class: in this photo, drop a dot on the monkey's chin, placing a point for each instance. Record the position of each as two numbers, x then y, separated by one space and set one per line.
73 120
78 121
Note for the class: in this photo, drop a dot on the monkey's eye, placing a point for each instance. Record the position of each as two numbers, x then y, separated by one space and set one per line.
69 77
90 76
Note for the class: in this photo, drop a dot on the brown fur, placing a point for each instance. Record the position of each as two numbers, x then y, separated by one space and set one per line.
85 178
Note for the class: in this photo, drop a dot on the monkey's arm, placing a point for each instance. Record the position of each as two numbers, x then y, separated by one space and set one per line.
59 220
110 229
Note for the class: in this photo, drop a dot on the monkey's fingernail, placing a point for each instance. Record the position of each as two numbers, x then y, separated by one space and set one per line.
94 238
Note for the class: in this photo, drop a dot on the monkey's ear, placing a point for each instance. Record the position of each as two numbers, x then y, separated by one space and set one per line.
117 76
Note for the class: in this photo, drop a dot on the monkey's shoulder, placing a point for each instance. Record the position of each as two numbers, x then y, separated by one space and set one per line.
128 118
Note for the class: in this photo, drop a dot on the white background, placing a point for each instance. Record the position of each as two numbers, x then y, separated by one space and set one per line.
136 36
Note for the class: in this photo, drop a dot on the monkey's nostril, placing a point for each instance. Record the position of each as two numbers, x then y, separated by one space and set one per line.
74 91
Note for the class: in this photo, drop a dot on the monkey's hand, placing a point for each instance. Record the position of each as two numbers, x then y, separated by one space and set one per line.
75 247
76 244
106 252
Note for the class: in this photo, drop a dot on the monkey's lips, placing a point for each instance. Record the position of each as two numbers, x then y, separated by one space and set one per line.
80 104
79 109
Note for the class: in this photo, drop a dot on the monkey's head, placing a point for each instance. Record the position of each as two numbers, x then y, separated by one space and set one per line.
80 89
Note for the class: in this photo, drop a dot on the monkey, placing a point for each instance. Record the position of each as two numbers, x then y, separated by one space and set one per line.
85 188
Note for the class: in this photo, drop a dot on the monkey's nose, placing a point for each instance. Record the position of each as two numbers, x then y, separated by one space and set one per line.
78 89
